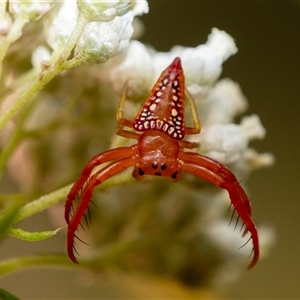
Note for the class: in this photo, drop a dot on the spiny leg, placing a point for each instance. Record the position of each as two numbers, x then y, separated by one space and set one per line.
104 174
217 174
99 159
221 170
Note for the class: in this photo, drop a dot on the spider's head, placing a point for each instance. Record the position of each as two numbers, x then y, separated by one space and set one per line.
158 156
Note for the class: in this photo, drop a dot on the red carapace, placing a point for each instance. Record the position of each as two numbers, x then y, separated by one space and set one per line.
159 129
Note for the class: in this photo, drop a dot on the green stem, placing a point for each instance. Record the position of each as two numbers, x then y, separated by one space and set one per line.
27 94
74 37
43 203
14 33
19 263
59 195
59 66
16 85
17 136
107 257
9 149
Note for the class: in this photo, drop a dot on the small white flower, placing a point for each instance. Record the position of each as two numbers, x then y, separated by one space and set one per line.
39 55
30 9
102 40
222 44
203 64
225 143
229 242
267 235
139 7
252 127
136 71
62 25
228 238
102 10
224 101
255 160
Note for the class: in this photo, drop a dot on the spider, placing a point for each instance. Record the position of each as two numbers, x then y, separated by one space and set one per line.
159 129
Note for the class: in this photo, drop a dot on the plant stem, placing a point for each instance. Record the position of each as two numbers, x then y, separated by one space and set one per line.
2 8
19 263
14 33
43 203
108 256
44 77
55 197
27 94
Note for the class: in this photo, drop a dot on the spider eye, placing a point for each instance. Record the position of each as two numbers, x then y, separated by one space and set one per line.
154 166
163 167
141 172
174 175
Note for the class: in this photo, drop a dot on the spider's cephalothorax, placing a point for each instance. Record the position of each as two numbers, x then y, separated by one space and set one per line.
158 155
159 129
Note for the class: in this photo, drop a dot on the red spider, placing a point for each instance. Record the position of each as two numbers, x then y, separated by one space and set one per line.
159 130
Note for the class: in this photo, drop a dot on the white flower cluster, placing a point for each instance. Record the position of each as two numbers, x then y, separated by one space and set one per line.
107 32
93 31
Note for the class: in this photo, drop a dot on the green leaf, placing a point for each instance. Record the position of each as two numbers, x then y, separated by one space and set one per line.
4 295
35 261
8 217
31 236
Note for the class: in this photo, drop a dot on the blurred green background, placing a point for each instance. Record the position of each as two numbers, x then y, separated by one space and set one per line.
267 67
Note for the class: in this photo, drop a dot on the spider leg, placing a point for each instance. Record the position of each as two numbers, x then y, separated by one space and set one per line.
214 172
99 177
126 133
99 159
123 122
197 125
188 145
120 119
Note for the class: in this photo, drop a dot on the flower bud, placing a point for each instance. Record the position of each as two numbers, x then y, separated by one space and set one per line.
102 40
62 24
30 10
224 101
136 71
39 56
139 7
203 64
252 127
225 143
102 10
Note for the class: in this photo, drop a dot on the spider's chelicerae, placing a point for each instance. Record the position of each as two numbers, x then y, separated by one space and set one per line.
159 129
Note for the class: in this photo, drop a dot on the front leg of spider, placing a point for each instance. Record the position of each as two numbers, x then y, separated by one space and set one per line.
216 173
159 128
122 158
